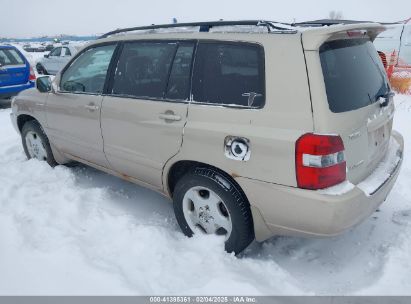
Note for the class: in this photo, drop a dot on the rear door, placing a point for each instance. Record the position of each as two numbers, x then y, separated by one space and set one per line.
348 83
13 68
143 116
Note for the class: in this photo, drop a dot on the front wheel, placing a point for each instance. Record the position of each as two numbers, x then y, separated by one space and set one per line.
207 201
36 144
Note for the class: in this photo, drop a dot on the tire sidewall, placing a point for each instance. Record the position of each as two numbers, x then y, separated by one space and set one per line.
234 200
34 126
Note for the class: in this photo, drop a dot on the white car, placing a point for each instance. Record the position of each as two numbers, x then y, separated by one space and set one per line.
53 62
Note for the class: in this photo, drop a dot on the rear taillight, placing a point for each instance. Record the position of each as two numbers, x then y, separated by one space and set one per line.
320 161
32 76
356 33
383 59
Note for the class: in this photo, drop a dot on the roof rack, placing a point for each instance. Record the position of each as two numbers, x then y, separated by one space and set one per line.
206 26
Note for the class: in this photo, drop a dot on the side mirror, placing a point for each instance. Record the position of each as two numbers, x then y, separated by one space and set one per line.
43 84
46 55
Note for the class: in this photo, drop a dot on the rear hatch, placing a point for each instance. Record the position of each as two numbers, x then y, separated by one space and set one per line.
13 68
350 93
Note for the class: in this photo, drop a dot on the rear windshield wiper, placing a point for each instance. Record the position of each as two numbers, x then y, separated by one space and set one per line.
384 99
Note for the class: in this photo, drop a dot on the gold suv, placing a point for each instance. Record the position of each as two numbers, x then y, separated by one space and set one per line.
253 128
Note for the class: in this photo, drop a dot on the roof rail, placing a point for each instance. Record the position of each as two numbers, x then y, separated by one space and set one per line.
206 26
327 22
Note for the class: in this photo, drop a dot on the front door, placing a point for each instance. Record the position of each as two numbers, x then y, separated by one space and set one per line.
52 62
73 112
143 117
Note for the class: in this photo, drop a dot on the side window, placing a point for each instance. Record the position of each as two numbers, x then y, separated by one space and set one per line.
229 73
88 72
180 76
408 34
143 69
67 52
56 52
10 57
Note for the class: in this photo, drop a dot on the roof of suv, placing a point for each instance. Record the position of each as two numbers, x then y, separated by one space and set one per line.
242 26
260 26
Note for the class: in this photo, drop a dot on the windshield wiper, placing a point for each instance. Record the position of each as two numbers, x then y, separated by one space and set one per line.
384 99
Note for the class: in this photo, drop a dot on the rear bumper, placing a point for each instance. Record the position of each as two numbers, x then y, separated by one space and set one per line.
10 91
282 210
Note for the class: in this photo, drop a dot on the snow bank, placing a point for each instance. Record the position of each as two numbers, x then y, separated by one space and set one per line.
79 231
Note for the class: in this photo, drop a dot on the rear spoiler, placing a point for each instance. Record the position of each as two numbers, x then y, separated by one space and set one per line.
313 38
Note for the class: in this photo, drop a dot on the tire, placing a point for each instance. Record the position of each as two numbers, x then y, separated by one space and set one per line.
36 144
41 69
193 216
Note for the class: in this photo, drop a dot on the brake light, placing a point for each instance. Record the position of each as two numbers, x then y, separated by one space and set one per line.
32 76
320 161
356 33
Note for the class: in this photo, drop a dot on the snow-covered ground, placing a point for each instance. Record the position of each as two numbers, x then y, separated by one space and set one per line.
79 231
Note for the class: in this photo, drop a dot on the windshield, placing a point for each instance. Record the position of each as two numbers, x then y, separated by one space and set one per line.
353 74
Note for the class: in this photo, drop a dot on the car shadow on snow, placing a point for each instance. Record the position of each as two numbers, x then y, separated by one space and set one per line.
139 202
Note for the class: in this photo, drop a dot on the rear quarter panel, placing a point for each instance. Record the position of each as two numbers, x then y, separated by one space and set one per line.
272 130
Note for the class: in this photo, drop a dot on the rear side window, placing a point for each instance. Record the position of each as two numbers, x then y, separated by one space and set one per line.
88 72
229 74
143 69
407 33
67 52
10 57
353 74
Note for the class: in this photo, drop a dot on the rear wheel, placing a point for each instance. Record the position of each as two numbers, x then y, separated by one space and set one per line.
36 144
207 201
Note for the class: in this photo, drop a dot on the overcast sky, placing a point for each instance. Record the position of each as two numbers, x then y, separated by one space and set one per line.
29 18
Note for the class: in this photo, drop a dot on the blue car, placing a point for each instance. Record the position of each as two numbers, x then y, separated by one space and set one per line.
16 74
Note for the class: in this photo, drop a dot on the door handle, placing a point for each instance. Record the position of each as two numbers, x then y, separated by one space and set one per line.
169 116
91 107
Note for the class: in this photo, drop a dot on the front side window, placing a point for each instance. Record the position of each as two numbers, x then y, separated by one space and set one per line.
56 52
143 69
229 74
10 57
88 72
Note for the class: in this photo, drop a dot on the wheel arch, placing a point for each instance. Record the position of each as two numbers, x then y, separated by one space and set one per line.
177 170
23 118
174 171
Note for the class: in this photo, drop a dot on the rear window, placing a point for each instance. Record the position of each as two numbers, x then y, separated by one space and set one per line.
10 57
353 74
